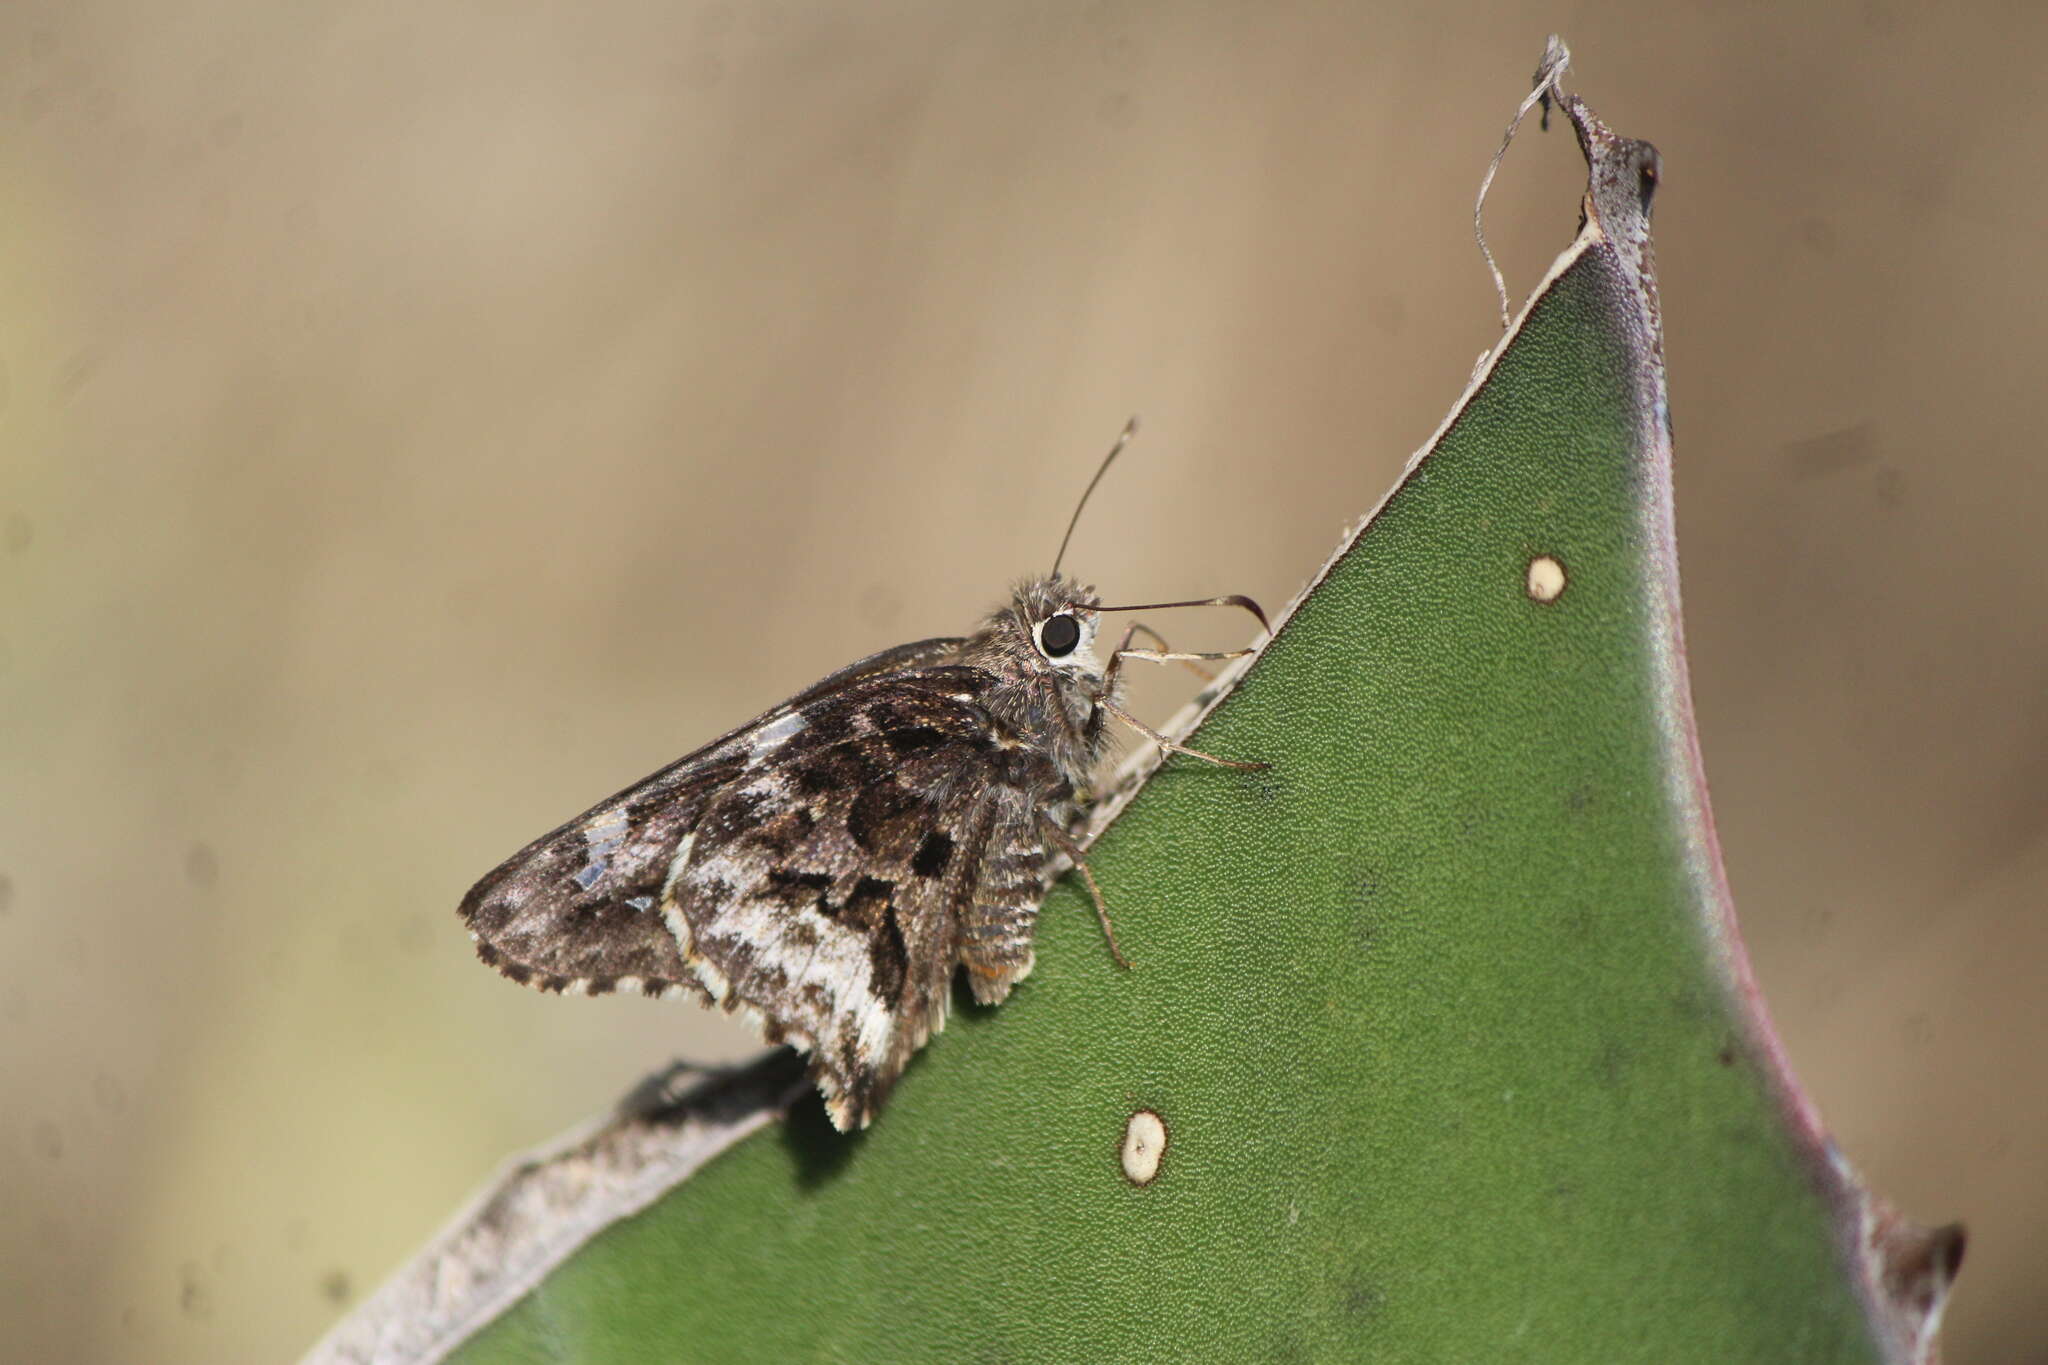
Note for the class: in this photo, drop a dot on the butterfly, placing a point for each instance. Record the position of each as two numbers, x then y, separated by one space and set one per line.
824 869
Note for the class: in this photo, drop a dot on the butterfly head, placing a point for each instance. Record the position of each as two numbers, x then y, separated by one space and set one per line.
1049 681
1056 621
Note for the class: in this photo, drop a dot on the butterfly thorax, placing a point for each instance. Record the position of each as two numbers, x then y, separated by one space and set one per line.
1048 703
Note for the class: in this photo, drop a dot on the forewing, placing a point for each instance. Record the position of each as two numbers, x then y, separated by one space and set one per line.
823 895
895 659
579 909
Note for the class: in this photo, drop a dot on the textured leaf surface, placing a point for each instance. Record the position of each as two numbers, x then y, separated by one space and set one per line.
1444 1015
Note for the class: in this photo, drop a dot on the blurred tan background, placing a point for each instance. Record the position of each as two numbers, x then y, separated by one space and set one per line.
416 422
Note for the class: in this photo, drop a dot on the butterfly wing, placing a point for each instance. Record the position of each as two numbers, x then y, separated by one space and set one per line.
809 871
579 909
824 896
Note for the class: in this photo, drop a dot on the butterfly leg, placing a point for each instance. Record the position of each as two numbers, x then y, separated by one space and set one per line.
1173 747
1165 654
1079 857
1109 680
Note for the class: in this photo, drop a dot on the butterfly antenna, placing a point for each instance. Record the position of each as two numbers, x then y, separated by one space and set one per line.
1124 439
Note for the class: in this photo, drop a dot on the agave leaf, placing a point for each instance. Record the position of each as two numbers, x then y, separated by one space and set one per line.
1443 1022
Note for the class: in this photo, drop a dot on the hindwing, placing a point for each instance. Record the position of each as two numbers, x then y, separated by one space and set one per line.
825 894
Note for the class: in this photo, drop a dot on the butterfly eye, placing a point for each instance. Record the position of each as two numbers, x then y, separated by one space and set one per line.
1058 636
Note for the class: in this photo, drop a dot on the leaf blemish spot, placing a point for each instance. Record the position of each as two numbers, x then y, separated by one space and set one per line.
1546 579
1144 1145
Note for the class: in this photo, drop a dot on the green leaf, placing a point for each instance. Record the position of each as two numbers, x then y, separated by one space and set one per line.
1445 1016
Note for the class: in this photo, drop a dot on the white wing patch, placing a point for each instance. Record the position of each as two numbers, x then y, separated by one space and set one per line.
679 928
775 734
604 835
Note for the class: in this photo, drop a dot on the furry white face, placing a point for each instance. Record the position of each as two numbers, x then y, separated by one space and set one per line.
1053 620
1066 641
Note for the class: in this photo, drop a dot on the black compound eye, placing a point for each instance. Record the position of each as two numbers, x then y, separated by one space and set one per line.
1058 636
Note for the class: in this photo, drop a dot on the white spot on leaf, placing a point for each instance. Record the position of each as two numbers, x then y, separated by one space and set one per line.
1144 1145
1546 579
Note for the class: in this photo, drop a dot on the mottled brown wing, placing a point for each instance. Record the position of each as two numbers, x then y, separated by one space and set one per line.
824 895
579 909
